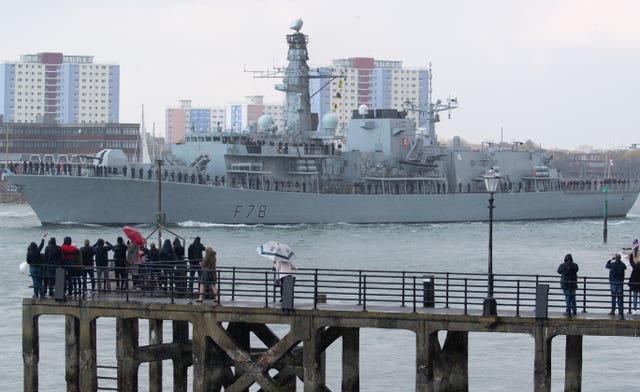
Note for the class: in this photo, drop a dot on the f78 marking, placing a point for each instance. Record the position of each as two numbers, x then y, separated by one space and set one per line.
250 210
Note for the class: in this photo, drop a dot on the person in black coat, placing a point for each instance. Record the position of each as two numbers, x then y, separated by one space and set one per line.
180 273
102 249
166 259
88 253
194 254
52 260
569 283
120 263
616 279
34 259
634 281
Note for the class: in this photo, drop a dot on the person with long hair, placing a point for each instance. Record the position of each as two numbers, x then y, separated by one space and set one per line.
569 283
208 277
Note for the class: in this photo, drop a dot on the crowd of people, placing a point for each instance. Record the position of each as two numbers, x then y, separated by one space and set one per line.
125 266
569 281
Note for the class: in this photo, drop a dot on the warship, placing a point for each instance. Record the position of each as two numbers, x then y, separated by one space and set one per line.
385 170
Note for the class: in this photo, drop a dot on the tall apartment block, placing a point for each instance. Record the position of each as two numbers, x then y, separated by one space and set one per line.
184 119
379 84
237 117
52 87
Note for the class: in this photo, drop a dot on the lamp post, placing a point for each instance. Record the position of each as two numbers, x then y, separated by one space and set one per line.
489 306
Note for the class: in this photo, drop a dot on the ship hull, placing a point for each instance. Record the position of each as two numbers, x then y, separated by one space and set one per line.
57 199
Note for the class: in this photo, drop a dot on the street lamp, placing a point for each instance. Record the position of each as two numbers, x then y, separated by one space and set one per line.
489 306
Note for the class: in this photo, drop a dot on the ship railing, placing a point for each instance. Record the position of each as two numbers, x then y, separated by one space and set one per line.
415 291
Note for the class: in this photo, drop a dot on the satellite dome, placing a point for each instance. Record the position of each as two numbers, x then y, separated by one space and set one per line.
296 25
330 121
363 110
265 123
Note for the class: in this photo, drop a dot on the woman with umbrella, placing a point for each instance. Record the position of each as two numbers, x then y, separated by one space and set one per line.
208 276
281 254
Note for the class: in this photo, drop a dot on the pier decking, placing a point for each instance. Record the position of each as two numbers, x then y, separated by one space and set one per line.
328 306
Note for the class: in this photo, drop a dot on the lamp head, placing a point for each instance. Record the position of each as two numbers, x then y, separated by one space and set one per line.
491 180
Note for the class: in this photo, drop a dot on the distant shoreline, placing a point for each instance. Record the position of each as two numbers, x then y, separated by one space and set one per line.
10 197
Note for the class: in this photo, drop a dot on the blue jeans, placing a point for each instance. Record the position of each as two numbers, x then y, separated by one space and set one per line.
570 300
616 296
36 278
634 296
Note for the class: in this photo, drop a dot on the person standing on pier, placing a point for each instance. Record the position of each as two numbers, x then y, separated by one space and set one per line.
181 267
569 283
208 276
167 259
68 249
87 261
194 254
634 282
120 262
102 263
52 260
34 259
616 278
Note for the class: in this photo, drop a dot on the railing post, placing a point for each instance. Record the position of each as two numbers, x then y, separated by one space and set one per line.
315 289
584 294
171 284
518 299
446 300
403 282
364 293
465 296
266 289
359 287
219 285
233 284
414 294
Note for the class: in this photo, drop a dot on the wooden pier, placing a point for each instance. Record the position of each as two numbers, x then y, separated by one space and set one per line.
214 341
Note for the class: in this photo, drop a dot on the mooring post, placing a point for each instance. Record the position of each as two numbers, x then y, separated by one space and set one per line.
573 364
312 360
241 333
87 352
542 359
30 348
155 367
426 345
351 359
126 348
72 336
453 361
180 363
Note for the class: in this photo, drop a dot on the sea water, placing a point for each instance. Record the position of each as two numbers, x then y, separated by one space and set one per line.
497 361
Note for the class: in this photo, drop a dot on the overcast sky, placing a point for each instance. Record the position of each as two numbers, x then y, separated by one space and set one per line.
561 73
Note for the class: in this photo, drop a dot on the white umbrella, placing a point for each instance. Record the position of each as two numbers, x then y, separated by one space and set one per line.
275 251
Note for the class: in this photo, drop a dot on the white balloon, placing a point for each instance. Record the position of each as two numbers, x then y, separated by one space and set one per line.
24 267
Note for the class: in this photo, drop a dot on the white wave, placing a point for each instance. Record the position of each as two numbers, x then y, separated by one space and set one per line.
13 214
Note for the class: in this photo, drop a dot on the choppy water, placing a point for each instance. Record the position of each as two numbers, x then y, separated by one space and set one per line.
497 362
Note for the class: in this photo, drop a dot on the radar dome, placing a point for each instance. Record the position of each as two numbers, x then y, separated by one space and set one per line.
265 123
330 121
363 110
296 25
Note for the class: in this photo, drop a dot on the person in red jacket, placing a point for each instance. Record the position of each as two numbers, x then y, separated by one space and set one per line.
67 262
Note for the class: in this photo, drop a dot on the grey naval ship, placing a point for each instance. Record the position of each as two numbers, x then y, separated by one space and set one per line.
384 171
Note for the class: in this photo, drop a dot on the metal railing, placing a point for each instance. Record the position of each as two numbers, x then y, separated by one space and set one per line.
403 290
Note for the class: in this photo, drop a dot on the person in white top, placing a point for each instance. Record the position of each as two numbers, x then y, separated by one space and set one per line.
283 268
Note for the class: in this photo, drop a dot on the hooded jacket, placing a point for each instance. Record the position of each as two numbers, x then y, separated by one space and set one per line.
52 253
569 274
33 253
102 253
194 253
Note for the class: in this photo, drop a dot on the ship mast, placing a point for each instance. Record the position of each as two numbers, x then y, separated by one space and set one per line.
432 112
297 111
